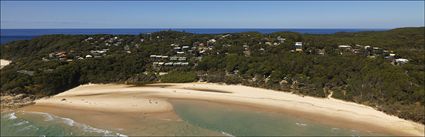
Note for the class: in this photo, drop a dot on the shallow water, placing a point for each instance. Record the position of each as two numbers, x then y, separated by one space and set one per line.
245 121
44 124
191 118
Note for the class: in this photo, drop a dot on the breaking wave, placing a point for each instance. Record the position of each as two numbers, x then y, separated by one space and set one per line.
11 116
72 123
301 124
227 134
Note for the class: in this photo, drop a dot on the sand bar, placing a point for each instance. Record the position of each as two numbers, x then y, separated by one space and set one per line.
153 98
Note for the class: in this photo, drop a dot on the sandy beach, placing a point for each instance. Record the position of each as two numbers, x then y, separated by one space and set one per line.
114 98
4 63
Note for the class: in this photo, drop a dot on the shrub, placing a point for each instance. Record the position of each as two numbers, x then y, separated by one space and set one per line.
179 77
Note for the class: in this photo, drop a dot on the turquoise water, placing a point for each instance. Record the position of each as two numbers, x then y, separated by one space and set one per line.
244 121
43 124
199 118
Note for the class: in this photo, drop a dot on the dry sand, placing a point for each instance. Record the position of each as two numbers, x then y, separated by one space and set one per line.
153 98
4 63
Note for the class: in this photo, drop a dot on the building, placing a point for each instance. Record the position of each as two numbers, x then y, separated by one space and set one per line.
174 58
280 39
185 47
299 46
182 58
344 46
320 51
168 64
211 41
401 61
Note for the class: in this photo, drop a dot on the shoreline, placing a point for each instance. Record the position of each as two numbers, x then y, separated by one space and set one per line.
153 99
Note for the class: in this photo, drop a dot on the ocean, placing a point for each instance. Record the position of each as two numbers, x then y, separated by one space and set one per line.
8 35
193 118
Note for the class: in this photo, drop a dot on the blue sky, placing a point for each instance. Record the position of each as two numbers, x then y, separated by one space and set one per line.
211 14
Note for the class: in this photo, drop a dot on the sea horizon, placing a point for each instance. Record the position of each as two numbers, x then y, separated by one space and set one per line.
8 35
44 31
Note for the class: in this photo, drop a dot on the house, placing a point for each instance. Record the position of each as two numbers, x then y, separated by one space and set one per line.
367 47
247 53
160 63
44 59
345 49
185 63
320 51
180 52
162 73
401 61
268 43
261 49
152 56
211 41
174 58
51 55
344 46
61 54
299 46
227 35
280 39
27 72
377 51
356 51
182 58
177 63
168 64
177 48
99 51
89 56
185 47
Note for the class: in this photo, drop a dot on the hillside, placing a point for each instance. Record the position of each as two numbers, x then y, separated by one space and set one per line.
381 69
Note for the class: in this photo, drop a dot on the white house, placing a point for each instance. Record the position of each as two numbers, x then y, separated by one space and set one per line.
344 46
211 41
298 46
401 61
185 47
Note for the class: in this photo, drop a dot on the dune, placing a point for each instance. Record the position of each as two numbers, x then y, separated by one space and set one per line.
153 99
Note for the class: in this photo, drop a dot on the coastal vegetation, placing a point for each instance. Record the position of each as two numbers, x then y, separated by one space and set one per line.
338 64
